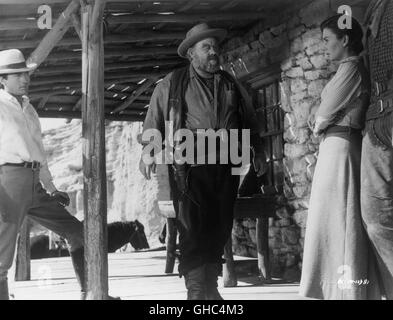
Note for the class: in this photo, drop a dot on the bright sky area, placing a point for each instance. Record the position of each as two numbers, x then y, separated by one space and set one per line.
50 123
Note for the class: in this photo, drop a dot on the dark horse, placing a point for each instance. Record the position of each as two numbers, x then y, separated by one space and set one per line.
119 234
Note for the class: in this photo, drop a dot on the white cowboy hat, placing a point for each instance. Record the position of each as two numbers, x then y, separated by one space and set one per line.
197 33
13 61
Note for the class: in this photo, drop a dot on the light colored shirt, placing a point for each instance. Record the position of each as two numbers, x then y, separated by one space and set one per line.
21 137
342 98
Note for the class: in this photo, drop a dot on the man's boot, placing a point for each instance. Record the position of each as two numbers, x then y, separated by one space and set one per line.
4 290
78 261
195 283
213 270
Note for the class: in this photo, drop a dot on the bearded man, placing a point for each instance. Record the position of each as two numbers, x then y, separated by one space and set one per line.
198 97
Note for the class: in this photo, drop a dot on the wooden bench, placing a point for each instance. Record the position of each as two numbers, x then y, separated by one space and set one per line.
260 207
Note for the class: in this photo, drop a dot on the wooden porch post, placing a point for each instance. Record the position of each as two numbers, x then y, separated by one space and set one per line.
93 144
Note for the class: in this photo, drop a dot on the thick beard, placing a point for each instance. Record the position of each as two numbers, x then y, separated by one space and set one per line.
206 65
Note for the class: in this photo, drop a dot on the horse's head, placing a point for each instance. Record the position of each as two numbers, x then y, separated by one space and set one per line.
138 238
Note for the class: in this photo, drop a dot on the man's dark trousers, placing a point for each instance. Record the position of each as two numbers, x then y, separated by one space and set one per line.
206 215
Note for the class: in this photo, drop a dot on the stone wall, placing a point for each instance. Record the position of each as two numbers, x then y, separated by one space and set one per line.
294 43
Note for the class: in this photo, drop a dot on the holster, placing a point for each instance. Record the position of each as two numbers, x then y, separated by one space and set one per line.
180 173
379 124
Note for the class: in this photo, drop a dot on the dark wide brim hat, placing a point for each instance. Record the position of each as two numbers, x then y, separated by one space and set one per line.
198 33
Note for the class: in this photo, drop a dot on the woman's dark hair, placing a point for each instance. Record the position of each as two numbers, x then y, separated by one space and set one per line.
355 34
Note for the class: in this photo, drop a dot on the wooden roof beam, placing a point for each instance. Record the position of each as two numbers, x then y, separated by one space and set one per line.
65 95
141 8
76 85
110 39
68 103
17 24
76 22
51 70
38 94
53 36
136 94
189 5
50 2
77 115
136 76
183 18
43 101
230 5
78 104
110 53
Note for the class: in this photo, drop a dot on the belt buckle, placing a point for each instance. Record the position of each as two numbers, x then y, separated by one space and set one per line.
35 165
381 109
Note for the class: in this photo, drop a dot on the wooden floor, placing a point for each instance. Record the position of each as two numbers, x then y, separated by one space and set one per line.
136 276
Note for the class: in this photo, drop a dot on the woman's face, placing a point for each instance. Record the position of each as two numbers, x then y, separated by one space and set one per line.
336 48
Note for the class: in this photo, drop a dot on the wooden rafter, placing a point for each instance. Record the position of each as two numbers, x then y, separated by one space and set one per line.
75 68
230 5
110 39
76 85
183 18
76 22
141 8
54 35
189 5
43 101
134 76
66 103
78 104
50 2
148 83
110 53
17 24
43 92
77 115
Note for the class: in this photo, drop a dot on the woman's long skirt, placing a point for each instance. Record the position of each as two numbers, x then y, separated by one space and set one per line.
337 258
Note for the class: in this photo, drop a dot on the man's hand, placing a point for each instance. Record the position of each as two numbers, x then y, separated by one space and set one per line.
146 169
61 197
260 164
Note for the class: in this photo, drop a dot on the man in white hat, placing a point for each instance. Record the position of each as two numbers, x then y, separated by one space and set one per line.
201 96
26 186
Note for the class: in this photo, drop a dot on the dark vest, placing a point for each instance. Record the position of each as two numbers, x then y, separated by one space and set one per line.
177 95
380 112
176 106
